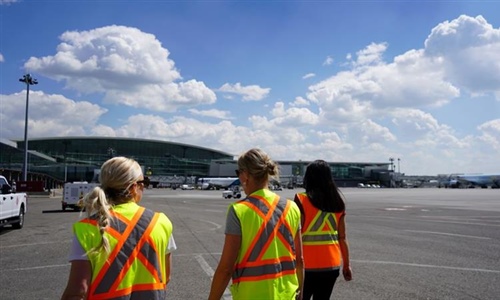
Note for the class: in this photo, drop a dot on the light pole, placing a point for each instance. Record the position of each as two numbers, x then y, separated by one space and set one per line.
28 80
392 163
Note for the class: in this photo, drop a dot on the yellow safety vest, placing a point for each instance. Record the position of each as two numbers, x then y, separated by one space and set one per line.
320 244
266 263
135 267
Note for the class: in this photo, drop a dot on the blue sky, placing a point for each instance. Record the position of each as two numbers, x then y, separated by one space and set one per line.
347 81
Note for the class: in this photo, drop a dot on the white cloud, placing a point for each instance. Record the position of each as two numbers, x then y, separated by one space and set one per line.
1 58
469 49
421 128
292 116
223 136
328 61
249 92
490 134
213 113
375 133
125 64
372 85
371 55
461 58
308 75
49 115
300 101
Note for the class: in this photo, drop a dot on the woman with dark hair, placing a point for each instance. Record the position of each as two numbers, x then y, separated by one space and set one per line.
324 241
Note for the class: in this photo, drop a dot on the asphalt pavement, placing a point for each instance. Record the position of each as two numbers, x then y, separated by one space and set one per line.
424 243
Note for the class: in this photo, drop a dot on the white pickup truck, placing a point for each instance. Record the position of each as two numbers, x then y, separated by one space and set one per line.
12 205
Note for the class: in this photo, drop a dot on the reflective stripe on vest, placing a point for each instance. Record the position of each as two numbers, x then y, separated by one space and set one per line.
252 266
314 235
132 243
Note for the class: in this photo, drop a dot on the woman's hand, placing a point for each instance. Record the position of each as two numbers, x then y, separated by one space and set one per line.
347 273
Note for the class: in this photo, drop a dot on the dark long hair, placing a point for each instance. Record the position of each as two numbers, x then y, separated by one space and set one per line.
321 188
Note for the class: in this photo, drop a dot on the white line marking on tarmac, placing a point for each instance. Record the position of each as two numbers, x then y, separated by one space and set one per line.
204 265
215 210
217 226
435 221
451 234
32 244
39 267
210 272
425 266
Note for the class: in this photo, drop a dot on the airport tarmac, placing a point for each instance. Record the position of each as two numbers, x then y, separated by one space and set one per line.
424 243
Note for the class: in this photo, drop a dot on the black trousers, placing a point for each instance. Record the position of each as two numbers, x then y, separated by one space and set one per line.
319 285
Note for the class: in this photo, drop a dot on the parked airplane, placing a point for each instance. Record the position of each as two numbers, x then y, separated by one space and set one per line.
448 180
210 183
482 180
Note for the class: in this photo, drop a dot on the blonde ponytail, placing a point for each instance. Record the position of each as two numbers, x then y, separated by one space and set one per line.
97 207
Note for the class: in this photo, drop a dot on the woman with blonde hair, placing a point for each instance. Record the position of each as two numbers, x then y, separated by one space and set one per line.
262 250
120 250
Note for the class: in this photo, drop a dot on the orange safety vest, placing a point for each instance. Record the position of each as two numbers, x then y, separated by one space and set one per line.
266 265
320 244
134 269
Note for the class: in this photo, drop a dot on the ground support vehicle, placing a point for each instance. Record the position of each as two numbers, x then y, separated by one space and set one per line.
187 187
233 192
74 192
12 205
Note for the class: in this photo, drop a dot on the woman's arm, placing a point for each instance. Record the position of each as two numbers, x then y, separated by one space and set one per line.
168 264
78 281
300 263
225 268
344 249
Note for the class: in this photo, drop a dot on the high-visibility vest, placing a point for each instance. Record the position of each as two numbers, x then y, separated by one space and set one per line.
135 266
266 263
320 245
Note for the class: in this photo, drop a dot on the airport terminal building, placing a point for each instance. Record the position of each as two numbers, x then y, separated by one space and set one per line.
68 159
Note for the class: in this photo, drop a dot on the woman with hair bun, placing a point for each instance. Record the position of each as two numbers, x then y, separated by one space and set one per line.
262 251
120 250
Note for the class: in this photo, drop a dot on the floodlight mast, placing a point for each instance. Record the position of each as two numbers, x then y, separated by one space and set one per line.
28 80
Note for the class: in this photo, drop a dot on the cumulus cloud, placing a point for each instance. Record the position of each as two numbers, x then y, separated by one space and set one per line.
224 135
423 129
300 101
371 55
49 115
128 66
373 85
1 57
293 116
308 75
249 92
459 55
396 98
490 133
469 50
375 133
